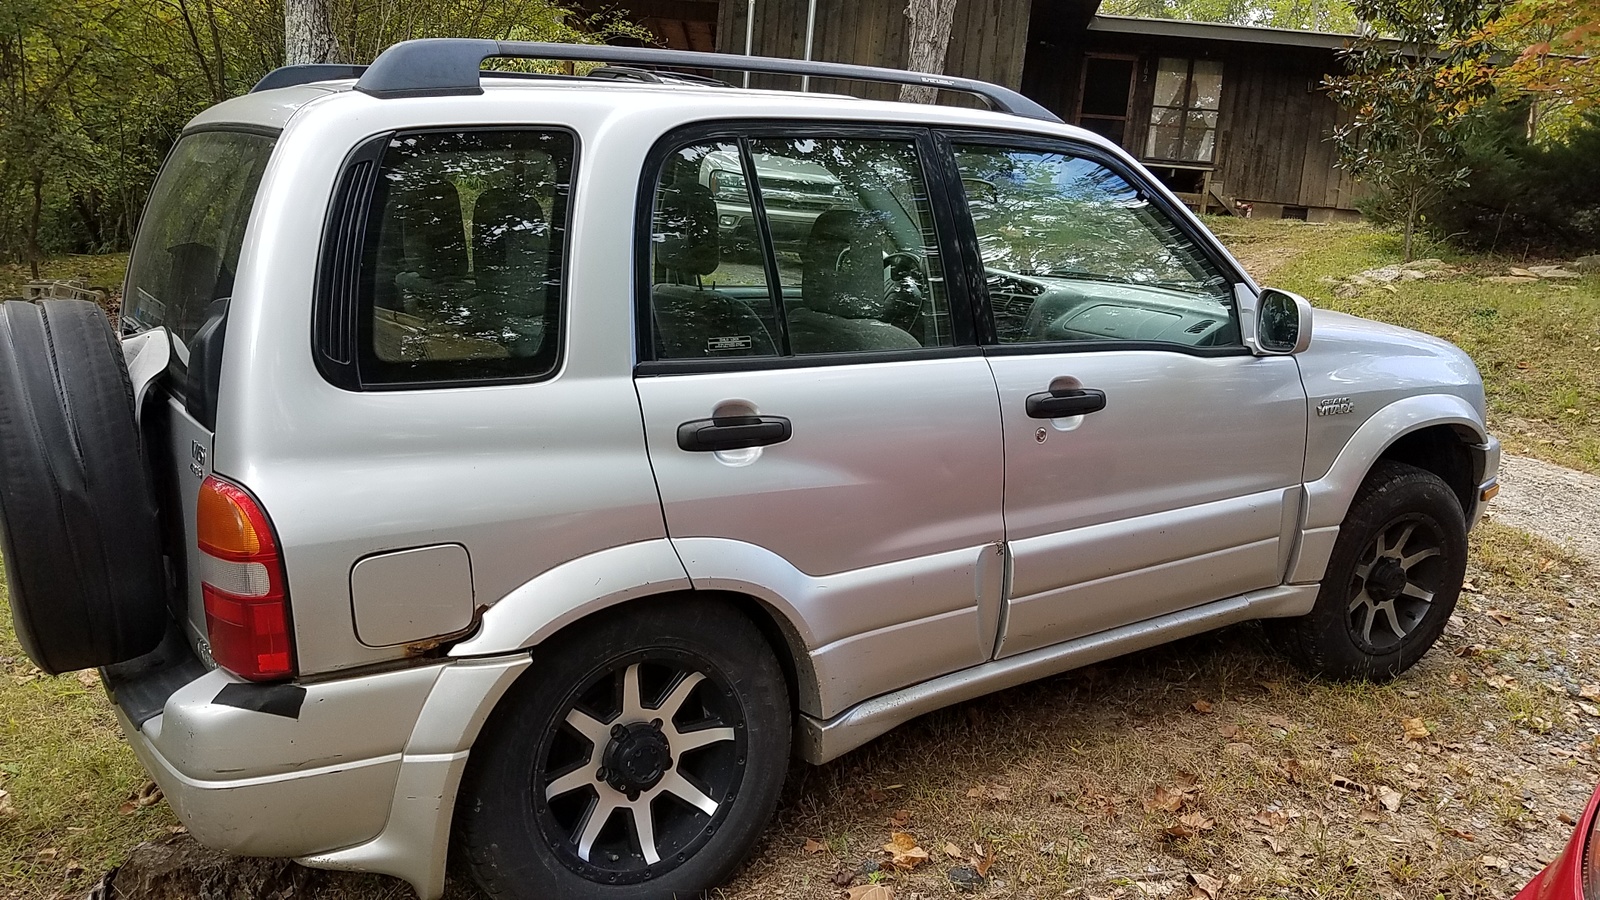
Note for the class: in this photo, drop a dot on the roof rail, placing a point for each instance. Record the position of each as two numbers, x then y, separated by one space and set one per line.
432 67
289 76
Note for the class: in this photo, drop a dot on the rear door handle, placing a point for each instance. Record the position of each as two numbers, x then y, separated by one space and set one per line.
733 433
1060 404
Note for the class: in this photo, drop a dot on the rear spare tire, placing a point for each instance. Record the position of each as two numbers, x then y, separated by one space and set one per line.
78 525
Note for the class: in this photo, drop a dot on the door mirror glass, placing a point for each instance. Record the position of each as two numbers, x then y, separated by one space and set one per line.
1283 322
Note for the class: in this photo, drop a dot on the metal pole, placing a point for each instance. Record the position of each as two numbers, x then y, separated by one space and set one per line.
811 28
749 34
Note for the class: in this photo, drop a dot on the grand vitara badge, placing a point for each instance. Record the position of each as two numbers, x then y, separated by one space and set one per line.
1335 406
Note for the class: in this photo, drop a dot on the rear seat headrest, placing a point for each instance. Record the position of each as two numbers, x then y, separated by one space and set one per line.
684 230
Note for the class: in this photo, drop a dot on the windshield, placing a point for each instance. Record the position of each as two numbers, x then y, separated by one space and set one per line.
187 249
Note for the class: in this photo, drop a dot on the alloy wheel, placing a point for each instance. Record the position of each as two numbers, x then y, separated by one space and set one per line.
1394 582
641 767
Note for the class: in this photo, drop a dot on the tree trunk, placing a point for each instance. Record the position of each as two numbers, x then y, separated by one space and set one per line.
33 224
929 39
308 33
1411 225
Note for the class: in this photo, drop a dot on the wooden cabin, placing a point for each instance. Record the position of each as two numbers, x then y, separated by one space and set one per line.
1234 118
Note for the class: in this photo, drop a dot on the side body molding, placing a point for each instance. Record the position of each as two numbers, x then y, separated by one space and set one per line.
1328 498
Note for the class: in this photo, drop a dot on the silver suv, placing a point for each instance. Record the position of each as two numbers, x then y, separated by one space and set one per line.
456 477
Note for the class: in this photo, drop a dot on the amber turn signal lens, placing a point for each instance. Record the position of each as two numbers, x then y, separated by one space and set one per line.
224 521
1489 492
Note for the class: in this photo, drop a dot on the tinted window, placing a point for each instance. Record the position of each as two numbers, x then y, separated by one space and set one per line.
187 251
845 225
463 263
1073 251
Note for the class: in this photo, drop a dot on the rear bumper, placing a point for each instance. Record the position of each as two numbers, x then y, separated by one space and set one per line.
357 773
1563 878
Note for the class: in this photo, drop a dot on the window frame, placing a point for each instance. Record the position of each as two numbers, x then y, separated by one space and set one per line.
972 255
341 323
936 167
177 370
1186 110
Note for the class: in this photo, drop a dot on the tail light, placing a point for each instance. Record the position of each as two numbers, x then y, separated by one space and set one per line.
242 582
1591 860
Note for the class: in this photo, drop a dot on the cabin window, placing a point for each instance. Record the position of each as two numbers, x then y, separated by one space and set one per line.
1183 119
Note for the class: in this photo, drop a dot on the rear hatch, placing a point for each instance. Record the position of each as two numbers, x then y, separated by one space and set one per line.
180 280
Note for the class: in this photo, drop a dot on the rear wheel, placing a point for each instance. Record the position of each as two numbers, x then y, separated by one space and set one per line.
1391 583
640 757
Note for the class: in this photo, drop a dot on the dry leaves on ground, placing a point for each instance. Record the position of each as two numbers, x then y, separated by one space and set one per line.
904 852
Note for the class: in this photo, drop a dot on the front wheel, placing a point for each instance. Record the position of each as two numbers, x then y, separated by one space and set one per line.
639 757
1391 583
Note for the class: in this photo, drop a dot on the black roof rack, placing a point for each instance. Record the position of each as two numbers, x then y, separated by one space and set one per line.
289 76
433 67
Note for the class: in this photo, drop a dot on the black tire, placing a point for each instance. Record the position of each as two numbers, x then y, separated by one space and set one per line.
77 514
519 833
1370 620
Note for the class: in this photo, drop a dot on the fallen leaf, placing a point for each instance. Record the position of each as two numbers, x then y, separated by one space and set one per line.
1495 862
870 892
1590 692
1566 819
876 796
1204 886
1278 722
986 860
1170 801
1294 770
1274 844
89 678
1500 616
900 819
904 850
1199 821
1230 732
1202 707
1466 652
1415 729
1272 818
814 846
1389 798
952 851
6 809
1461 835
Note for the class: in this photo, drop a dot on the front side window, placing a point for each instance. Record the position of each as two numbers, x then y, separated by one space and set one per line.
831 250
187 251
1073 251
462 268
1183 118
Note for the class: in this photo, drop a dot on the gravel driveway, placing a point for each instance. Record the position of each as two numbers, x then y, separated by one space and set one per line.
1554 502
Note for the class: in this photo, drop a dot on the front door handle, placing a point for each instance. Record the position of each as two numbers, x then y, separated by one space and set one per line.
1063 403
733 433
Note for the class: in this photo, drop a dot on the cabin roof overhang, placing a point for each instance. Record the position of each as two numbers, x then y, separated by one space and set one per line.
1212 31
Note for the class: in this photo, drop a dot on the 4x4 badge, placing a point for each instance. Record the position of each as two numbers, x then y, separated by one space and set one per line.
1335 406
197 456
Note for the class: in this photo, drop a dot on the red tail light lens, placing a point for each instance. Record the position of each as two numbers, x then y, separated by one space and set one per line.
242 582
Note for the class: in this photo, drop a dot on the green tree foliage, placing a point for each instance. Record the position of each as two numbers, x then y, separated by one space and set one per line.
1412 95
93 93
1524 196
1315 15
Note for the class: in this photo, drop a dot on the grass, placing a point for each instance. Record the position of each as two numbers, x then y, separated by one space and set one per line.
1052 779
1537 345
99 271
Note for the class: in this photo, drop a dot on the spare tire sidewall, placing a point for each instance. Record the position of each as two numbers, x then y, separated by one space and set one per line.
78 518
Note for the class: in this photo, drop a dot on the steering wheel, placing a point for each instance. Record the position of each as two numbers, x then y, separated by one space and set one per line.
906 289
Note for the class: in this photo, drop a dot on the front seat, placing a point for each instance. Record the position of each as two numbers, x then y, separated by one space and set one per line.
694 322
842 296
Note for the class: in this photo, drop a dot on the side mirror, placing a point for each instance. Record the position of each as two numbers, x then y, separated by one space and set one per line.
1282 323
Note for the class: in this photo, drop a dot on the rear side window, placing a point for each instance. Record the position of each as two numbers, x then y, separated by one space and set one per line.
462 266
187 251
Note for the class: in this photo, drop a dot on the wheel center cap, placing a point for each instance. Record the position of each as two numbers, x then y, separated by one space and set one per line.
1386 580
637 757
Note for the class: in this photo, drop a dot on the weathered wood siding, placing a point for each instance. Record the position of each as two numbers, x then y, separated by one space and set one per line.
1275 127
987 41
